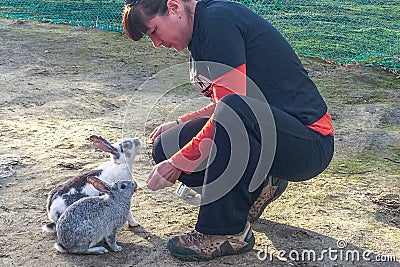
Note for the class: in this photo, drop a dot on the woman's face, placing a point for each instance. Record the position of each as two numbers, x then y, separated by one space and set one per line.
173 30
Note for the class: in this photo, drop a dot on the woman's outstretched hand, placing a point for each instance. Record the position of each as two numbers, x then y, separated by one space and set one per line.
162 128
163 175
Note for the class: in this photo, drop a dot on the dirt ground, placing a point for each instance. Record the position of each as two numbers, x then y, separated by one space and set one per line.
60 84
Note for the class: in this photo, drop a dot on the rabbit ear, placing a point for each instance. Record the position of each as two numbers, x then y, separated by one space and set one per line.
104 145
99 184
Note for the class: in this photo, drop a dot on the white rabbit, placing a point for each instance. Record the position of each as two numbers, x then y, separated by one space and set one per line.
91 220
118 168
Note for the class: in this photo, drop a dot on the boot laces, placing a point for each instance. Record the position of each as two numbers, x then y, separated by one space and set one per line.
194 236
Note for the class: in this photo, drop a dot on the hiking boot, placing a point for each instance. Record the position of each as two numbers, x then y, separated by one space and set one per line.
201 247
271 191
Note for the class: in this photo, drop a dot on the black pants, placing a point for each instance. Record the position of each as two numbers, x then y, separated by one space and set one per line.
251 140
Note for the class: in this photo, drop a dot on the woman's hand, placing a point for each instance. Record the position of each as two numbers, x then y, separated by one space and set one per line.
162 128
163 175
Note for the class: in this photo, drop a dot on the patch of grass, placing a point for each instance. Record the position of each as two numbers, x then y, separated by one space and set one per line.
184 89
355 86
389 127
364 162
349 95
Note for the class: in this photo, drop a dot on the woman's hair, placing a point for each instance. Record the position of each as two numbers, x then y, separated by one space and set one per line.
136 16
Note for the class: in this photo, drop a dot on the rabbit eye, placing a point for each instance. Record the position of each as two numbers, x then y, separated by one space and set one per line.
127 145
123 186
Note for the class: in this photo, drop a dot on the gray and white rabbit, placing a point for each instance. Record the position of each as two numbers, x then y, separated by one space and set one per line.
91 220
119 167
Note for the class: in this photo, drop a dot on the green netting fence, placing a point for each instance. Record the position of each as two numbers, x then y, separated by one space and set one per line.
365 32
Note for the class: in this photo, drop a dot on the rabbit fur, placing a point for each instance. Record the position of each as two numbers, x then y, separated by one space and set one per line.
119 167
91 220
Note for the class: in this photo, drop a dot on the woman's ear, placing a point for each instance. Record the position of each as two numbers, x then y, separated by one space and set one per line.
175 7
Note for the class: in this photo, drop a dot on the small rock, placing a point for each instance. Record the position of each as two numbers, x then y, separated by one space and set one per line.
367 193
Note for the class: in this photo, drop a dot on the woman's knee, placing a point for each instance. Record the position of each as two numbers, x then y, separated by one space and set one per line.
158 152
172 140
231 100
230 106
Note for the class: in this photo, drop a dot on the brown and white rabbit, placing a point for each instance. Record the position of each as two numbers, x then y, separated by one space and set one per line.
119 167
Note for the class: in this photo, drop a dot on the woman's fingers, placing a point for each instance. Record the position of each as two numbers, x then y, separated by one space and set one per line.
163 127
163 175
155 133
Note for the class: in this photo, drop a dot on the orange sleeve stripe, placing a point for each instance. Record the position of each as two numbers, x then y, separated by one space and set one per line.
232 82
204 112
323 125
198 149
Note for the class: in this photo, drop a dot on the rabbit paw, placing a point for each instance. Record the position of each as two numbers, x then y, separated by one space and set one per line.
131 221
110 241
97 250
117 248
133 224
